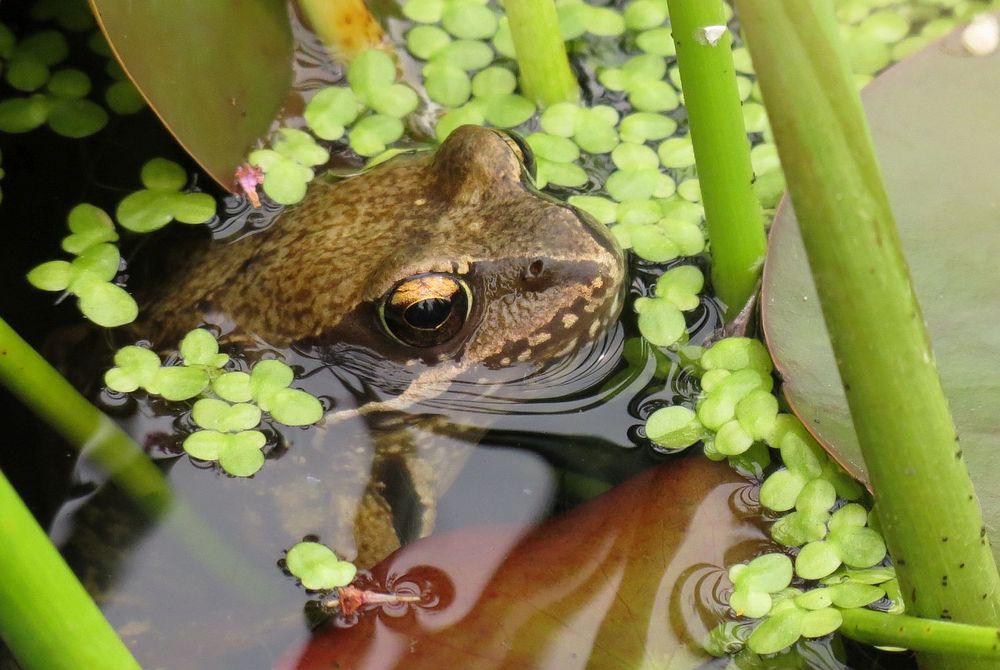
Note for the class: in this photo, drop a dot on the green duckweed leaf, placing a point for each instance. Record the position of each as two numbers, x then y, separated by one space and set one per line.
48 46
178 382
317 567
161 201
641 127
660 322
494 80
769 573
396 100
89 226
199 347
645 14
300 146
122 97
51 276
681 286
145 211
602 209
286 181
737 353
220 416
370 135
267 378
603 21
674 427
658 41
107 304
423 11
233 386
21 115
821 622
26 73
371 70
855 595
205 444
470 21
135 367
240 455
426 41
76 118
748 603
447 84
163 174
69 83
467 55
294 407
817 560
507 111
781 489
777 632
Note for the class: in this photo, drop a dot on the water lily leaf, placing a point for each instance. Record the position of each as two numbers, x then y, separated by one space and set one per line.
215 72
940 160
609 584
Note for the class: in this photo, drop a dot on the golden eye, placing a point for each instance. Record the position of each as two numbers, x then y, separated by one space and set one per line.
425 310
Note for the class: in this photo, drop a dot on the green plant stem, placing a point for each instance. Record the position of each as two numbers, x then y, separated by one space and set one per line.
546 76
733 214
46 616
39 386
926 635
929 512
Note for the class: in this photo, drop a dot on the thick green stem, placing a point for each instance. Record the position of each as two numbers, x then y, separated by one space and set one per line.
546 76
39 386
733 214
926 635
46 616
930 515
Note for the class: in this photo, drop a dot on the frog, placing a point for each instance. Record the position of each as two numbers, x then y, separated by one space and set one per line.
434 270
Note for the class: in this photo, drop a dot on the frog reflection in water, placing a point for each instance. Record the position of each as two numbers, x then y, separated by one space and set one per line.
442 266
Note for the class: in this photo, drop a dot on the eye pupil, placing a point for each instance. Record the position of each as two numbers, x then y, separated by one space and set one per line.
426 310
428 314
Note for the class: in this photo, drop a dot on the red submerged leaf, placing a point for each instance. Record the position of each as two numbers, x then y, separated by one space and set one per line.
632 577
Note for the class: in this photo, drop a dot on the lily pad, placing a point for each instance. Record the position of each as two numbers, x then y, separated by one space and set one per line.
215 72
609 584
940 155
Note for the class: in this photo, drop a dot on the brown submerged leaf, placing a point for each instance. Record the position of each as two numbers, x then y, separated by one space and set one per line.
216 72
630 579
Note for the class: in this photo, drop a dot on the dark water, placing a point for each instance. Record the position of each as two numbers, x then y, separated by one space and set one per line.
201 586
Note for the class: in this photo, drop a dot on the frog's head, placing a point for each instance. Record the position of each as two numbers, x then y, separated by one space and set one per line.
502 275
435 264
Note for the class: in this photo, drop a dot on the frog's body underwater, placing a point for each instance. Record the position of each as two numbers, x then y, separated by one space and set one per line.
439 269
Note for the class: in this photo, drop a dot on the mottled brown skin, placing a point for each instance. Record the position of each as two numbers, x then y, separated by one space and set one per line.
543 279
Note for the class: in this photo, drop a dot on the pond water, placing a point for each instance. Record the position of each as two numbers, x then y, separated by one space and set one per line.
203 585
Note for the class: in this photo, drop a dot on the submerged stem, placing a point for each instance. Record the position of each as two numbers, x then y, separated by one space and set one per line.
46 616
733 214
47 393
546 76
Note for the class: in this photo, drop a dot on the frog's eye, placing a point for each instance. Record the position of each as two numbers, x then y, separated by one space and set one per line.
520 148
425 310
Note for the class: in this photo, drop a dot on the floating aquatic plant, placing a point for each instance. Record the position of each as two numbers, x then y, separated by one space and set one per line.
317 567
287 166
163 201
89 275
226 421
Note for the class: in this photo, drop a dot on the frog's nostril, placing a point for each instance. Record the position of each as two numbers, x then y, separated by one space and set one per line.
536 268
